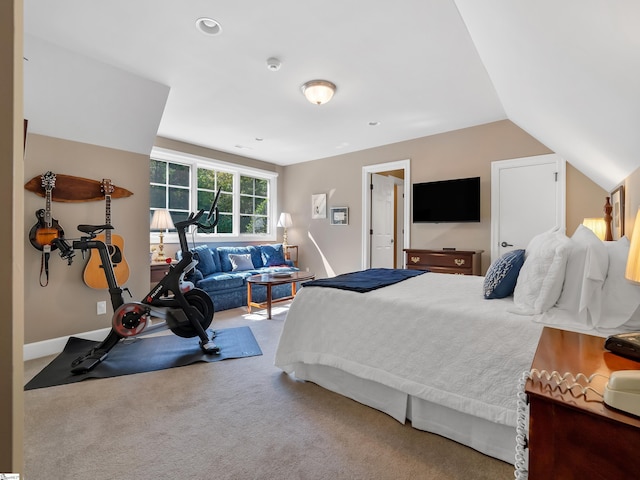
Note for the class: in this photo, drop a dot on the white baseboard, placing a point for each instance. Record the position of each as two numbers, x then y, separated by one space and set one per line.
56 345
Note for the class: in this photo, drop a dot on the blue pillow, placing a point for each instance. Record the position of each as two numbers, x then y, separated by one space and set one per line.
206 263
500 280
272 255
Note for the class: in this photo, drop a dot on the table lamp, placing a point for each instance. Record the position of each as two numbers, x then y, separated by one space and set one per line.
285 222
161 221
597 226
633 260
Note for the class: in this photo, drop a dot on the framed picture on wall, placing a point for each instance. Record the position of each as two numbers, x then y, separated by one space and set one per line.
617 202
319 205
340 216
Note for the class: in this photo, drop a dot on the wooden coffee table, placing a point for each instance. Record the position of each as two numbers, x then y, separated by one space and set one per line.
269 280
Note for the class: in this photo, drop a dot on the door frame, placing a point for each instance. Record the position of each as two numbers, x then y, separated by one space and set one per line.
551 158
366 205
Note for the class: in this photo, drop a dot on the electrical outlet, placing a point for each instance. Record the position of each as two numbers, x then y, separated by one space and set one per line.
101 308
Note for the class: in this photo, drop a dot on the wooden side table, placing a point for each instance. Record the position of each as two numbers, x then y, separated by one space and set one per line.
577 437
158 270
288 254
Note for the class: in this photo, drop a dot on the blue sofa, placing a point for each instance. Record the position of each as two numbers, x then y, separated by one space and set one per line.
222 272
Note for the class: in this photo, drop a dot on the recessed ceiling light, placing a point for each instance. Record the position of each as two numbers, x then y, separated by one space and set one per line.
374 124
208 26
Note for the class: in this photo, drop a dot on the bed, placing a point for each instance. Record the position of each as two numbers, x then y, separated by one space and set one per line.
446 351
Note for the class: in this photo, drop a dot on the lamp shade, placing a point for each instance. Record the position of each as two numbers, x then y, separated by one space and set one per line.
596 225
162 220
285 220
318 91
633 260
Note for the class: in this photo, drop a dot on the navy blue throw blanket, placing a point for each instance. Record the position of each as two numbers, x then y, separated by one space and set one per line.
365 280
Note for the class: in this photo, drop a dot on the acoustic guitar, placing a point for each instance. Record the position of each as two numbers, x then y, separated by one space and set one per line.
94 271
47 229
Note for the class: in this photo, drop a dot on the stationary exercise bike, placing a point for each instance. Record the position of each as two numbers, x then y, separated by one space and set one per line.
188 311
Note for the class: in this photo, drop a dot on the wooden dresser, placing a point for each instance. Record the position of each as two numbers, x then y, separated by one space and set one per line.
577 437
460 262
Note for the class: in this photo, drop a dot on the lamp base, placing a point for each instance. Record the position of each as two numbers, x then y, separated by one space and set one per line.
160 255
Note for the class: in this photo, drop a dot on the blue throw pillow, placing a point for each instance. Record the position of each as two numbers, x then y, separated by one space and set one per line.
206 263
272 255
500 280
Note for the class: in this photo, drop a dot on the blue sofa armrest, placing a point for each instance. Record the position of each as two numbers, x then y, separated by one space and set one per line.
194 276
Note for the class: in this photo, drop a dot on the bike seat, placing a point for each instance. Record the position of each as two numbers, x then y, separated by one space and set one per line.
94 228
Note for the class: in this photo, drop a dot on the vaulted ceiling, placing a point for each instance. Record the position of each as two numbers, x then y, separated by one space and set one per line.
118 73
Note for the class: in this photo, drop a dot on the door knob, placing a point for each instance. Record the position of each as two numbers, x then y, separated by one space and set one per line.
505 244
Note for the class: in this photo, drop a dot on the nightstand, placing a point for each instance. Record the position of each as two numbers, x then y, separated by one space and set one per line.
289 249
159 270
578 437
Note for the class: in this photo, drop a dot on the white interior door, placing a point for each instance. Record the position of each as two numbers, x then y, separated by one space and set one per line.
527 198
403 213
382 224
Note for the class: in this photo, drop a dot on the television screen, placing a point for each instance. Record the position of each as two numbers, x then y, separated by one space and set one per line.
447 201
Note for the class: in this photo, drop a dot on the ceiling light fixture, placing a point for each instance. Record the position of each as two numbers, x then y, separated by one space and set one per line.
318 91
208 26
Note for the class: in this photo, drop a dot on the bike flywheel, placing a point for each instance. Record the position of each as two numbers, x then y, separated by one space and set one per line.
130 319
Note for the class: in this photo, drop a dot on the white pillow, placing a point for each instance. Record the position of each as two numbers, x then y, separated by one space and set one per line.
540 281
587 267
620 297
241 262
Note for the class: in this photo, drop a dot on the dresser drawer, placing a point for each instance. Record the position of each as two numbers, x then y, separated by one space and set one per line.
445 261
461 260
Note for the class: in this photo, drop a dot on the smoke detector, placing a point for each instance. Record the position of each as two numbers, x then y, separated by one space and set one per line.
273 64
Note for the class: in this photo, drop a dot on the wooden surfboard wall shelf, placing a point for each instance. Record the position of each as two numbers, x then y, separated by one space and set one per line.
75 189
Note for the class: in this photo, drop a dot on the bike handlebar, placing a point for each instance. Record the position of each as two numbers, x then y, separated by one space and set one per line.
191 220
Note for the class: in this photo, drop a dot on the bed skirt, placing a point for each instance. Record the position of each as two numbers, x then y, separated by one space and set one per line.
489 438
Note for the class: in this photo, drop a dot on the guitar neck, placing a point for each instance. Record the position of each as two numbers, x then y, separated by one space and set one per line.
107 220
47 208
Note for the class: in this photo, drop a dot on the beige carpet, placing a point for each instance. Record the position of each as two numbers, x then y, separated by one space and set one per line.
235 419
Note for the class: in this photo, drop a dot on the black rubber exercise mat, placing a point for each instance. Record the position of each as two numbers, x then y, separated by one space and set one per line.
145 354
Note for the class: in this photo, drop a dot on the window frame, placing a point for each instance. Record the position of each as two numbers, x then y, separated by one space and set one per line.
196 161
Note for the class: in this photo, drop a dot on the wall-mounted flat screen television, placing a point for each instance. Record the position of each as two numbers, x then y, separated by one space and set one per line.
443 201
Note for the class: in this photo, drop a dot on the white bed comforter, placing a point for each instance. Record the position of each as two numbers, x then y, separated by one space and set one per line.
432 336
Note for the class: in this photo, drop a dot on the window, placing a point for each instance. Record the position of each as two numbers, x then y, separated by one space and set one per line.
184 183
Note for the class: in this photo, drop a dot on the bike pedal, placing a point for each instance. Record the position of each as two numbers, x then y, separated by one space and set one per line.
87 364
210 347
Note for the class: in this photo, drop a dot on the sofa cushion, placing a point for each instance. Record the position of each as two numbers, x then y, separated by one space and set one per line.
272 255
206 262
224 253
221 281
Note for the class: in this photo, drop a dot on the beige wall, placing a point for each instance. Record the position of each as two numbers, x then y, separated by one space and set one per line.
584 199
67 306
326 249
632 200
11 324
